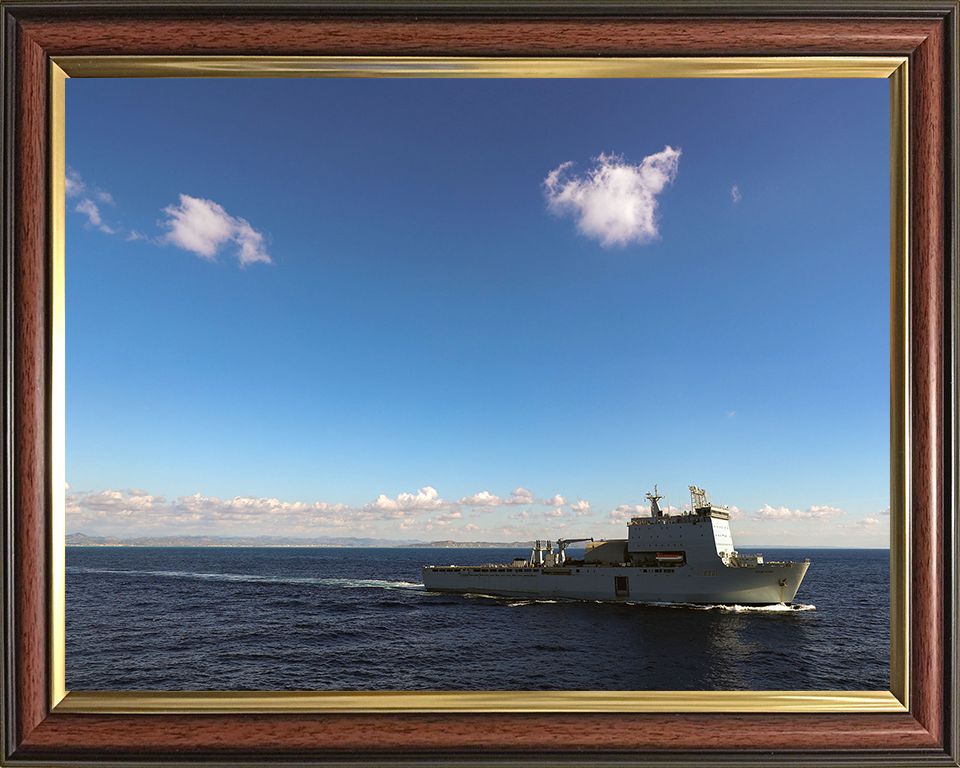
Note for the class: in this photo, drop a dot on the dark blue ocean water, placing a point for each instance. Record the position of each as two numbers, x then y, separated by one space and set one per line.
184 618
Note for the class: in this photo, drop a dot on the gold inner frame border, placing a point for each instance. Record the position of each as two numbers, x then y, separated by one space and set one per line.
893 68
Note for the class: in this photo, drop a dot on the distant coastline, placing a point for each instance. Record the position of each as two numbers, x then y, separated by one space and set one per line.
82 540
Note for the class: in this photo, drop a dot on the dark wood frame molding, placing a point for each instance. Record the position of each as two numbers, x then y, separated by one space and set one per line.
924 31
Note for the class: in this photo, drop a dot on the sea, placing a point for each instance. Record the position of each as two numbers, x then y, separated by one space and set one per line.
359 619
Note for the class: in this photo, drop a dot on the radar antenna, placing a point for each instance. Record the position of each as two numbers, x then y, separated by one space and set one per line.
653 498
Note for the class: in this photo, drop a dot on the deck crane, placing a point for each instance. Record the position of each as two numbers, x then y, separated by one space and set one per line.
562 545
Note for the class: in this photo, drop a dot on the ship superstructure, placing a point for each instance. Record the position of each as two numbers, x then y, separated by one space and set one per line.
675 558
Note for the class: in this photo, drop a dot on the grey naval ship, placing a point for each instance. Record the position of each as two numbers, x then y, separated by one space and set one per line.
666 558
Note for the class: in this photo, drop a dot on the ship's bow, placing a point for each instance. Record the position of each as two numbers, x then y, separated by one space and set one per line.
791 579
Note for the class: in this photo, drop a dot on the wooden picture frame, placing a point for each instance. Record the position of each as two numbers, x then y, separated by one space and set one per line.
38 731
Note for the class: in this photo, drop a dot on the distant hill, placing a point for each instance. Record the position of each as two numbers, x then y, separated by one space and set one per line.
470 544
82 540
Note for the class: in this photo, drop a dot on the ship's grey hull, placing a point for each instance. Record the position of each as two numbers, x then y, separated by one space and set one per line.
767 584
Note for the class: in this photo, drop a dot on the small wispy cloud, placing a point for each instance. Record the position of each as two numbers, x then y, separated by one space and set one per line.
197 225
75 187
735 194
614 202
74 184
90 209
203 226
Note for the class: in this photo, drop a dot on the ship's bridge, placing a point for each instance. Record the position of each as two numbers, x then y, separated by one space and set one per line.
718 513
702 534
698 503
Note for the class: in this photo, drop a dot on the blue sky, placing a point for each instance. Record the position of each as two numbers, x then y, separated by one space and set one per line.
477 309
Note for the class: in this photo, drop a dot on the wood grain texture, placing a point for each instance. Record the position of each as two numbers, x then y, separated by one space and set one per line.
288 734
927 407
43 737
30 389
556 37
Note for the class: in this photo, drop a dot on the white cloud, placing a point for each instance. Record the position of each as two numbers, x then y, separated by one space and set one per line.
251 244
735 194
74 184
770 513
203 226
92 212
118 501
821 512
136 513
482 499
867 525
634 510
625 512
526 514
487 501
614 202
424 500
517 497
784 513
885 511
736 513
521 496
197 225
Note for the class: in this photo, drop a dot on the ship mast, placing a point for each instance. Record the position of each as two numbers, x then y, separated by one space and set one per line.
653 498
